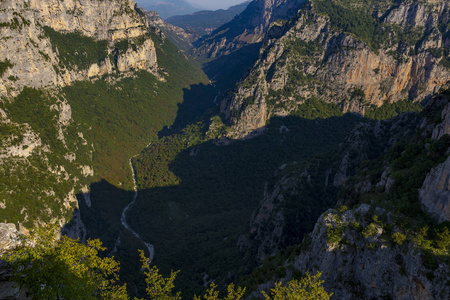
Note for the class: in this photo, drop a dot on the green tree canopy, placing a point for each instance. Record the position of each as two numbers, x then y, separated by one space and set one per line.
158 287
309 287
213 294
51 268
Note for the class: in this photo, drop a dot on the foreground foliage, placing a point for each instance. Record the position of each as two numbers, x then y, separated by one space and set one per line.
51 268
158 287
64 269
309 287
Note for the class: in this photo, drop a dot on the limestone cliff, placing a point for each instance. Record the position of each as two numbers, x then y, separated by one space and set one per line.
8 237
29 52
318 55
434 194
442 128
368 265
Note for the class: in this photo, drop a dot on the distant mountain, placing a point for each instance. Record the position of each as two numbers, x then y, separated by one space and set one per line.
247 28
206 21
177 35
167 8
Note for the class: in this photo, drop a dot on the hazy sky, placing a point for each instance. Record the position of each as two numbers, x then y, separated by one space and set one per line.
215 4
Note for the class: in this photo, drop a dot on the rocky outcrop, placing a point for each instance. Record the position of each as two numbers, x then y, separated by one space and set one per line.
385 269
435 195
9 289
13 147
444 127
105 20
32 58
414 14
249 27
8 237
315 58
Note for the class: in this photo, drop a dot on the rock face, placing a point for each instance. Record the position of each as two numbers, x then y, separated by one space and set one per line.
31 55
247 28
386 269
8 240
8 237
435 195
312 56
9 289
444 127
104 20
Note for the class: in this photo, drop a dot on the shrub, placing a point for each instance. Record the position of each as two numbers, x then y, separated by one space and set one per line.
309 287
334 235
64 269
442 240
4 65
370 230
398 238
213 294
342 209
390 110
314 108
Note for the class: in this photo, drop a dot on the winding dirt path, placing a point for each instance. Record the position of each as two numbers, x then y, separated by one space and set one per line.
123 218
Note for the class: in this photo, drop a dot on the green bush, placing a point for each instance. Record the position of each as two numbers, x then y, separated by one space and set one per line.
334 234
442 240
308 288
314 109
64 269
370 230
4 65
389 110
398 238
